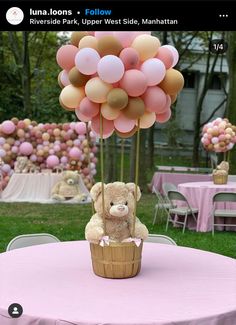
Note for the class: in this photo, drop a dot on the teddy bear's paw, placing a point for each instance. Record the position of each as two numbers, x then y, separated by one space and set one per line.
94 234
58 197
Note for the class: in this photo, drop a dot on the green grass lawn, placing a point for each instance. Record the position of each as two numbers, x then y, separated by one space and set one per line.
68 222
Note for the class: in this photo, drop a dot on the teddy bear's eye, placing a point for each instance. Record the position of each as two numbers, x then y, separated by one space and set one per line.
126 203
111 204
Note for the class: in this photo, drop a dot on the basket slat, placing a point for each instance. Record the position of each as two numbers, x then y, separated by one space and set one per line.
116 261
220 179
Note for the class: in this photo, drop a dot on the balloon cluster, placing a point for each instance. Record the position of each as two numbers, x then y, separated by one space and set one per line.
47 146
218 135
125 76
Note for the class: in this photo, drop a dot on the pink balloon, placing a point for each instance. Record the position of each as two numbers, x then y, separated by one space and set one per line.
134 82
52 161
64 160
88 108
164 117
2 153
86 61
154 70
80 128
108 126
130 58
81 116
166 56
33 158
6 168
104 136
14 149
21 125
66 56
2 140
75 153
125 38
101 34
124 124
110 69
8 127
64 78
155 99
174 52
26 148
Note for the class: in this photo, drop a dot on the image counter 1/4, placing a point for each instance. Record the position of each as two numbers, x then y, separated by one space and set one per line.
108 21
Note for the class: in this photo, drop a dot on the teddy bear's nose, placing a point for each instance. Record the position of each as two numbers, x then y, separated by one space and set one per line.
121 208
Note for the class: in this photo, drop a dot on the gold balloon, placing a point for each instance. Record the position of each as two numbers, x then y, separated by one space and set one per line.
173 98
117 98
59 80
76 78
127 134
65 107
71 96
97 90
89 41
76 37
134 109
173 82
108 112
15 120
109 45
146 45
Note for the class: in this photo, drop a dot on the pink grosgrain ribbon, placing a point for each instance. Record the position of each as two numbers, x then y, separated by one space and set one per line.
137 241
104 241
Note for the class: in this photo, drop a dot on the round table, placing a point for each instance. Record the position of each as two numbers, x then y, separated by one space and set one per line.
55 285
200 195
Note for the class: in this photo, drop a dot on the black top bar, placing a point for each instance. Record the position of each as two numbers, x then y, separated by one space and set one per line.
117 15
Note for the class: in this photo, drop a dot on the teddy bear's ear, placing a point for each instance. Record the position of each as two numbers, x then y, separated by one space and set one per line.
96 190
131 188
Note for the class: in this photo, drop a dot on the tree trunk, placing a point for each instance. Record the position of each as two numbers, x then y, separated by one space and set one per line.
231 111
207 81
26 82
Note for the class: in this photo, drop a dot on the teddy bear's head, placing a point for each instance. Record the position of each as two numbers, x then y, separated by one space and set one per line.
22 161
70 177
119 199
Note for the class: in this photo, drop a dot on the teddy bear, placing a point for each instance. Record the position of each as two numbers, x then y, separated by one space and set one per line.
119 209
68 188
222 169
21 165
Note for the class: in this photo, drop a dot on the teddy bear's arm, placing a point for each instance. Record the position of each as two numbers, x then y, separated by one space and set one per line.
56 188
140 230
94 229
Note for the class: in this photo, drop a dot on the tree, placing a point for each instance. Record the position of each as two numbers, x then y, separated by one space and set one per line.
231 105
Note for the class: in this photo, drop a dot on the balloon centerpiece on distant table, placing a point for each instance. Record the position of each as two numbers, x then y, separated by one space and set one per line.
122 82
219 136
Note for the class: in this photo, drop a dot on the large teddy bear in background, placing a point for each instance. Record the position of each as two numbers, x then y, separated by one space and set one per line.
68 188
119 210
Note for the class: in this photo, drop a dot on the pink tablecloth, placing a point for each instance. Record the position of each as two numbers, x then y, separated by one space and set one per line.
199 195
55 285
176 178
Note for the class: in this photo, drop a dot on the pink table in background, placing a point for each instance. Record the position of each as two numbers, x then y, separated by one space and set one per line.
55 285
199 195
176 178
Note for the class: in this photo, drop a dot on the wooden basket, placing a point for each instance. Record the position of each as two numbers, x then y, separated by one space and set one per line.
116 261
220 179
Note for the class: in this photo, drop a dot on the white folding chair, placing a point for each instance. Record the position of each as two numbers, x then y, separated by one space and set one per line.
184 211
31 240
161 239
224 213
162 204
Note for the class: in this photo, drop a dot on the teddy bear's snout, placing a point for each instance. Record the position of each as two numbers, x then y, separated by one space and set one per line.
119 210
70 181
